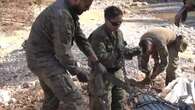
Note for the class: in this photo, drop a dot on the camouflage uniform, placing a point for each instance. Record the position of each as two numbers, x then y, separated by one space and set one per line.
165 51
108 47
49 56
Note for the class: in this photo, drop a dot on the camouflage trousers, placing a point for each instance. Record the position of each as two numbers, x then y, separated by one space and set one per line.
57 85
113 97
60 88
172 65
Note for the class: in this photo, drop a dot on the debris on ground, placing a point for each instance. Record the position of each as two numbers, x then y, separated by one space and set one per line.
20 89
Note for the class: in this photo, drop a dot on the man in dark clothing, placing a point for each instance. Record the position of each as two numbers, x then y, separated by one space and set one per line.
110 47
49 56
181 15
163 45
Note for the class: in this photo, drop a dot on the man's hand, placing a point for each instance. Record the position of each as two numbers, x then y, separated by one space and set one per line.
83 76
146 80
156 71
130 53
96 65
137 51
144 68
132 82
146 71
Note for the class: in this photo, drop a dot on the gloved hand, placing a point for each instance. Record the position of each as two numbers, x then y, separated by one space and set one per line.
99 68
133 52
136 51
144 68
156 71
146 80
83 75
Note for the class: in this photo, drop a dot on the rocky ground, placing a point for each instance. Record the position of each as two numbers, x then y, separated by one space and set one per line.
20 89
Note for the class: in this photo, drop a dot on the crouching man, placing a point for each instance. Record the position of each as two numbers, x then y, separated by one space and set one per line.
163 45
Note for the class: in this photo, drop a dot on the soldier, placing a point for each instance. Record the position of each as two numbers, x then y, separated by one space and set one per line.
181 15
109 46
163 45
49 56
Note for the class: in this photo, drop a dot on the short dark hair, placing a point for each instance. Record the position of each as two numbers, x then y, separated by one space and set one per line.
144 44
112 12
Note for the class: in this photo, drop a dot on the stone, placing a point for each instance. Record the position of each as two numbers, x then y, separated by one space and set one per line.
5 97
25 85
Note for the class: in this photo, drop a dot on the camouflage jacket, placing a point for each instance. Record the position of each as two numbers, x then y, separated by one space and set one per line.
52 35
109 47
161 38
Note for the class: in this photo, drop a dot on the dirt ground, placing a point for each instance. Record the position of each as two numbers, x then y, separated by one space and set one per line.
23 87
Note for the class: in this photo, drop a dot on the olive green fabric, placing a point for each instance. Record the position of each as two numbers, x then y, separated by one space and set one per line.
49 55
52 35
60 88
111 50
165 53
113 97
109 47
172 66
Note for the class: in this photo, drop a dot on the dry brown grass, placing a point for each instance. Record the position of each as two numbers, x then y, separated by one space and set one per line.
15 14
42 2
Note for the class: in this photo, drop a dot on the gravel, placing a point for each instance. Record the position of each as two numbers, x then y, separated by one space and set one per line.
17 79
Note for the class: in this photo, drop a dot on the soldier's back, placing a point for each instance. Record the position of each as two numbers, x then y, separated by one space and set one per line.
97 34
42 35
163 35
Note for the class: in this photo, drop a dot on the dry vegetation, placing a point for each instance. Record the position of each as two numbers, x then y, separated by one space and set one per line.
15 14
